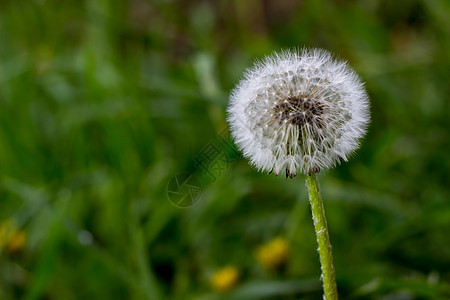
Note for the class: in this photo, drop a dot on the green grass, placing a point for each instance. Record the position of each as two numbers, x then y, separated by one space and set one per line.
102 102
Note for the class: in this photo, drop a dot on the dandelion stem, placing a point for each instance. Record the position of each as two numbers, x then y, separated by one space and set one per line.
320 225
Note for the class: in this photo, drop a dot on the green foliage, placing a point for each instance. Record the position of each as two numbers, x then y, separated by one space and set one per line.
102 102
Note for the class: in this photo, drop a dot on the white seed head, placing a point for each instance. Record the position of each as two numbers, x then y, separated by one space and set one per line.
298 111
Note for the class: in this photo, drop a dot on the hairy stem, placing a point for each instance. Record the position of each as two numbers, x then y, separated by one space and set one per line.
320 225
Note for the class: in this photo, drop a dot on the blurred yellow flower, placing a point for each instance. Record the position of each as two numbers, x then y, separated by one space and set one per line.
11 237
274 254
225 279
17 241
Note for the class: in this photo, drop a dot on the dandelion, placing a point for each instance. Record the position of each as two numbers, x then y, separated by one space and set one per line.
11 237
301 112
17 241
225 279
274 254
298 112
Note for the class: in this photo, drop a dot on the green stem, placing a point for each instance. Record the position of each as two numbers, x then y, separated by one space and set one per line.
320 225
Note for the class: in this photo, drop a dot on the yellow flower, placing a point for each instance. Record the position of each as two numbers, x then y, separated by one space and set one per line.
225 279
17 241
274 254
11 237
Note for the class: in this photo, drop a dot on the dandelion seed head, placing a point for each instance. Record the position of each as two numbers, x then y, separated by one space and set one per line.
298 111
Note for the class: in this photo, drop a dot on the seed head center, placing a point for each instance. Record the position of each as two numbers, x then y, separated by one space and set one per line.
299 110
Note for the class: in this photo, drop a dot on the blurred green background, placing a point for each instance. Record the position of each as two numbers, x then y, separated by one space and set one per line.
102 102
